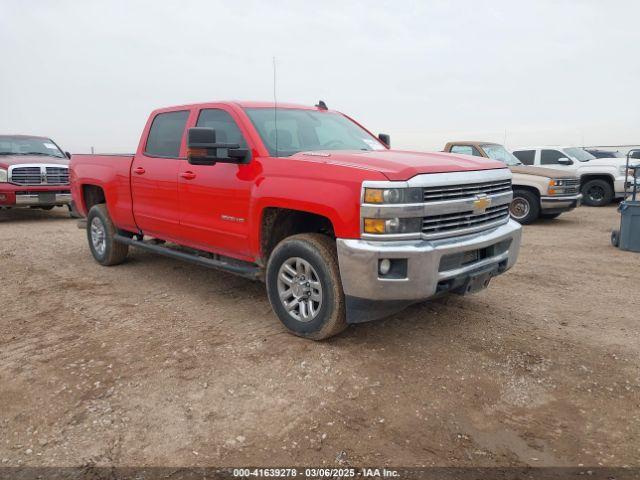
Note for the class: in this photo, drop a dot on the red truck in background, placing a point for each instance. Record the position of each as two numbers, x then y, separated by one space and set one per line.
341 228
34 172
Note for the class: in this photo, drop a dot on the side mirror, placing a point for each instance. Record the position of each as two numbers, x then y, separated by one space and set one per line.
385 138
202 149
565 161
68 155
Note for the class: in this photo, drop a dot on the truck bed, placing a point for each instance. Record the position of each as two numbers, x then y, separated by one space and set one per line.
112 174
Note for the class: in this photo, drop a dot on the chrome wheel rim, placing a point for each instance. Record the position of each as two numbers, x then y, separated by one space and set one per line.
98 236
519 208
299 289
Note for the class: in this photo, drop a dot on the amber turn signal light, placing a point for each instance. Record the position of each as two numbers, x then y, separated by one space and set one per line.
196 152
374 225
373 195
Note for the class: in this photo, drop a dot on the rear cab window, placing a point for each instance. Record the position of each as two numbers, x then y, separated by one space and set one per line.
165 134
526 156
466 150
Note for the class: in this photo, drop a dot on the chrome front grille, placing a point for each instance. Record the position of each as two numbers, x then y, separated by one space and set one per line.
453 204
435 226
39 175
57 175
452 192
571 186
26 175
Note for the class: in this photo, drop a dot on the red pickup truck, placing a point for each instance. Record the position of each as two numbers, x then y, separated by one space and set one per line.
34 172
341 228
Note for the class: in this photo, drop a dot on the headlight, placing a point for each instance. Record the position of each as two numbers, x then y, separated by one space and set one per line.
622 170
3 175
392 195
560 186
392 225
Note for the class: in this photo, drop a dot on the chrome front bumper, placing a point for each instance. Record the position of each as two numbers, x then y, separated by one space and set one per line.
560 203
41 199
425 274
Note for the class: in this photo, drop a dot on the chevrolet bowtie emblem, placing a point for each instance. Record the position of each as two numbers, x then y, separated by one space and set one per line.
481 203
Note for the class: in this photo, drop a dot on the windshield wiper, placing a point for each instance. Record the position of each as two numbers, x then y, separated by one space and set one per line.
41 153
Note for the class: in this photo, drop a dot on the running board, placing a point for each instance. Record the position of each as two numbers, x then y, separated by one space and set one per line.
243 269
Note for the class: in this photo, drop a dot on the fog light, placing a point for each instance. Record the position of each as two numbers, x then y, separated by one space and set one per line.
385 266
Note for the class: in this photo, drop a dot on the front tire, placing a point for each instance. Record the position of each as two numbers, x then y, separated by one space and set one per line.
525 207
304 286
100 233
597 193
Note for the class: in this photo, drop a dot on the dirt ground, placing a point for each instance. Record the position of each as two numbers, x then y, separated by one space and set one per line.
161 363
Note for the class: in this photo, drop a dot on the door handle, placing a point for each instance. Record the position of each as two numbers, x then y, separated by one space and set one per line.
188 175
139 170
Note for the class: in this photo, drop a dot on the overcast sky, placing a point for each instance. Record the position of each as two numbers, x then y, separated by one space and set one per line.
87 73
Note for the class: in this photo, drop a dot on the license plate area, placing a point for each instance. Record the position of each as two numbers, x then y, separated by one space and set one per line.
469 257
46 197
477 281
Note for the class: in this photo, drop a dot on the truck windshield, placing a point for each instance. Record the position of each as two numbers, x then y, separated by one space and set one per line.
301 130
579 154
498 152
16 145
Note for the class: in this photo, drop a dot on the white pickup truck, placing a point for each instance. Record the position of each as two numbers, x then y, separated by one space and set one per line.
601 179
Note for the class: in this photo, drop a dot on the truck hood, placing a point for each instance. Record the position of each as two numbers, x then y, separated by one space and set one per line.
540 171
400 165
7 161
603 162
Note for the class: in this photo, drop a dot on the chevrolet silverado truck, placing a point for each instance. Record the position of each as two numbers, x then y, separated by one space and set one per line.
537 192
34 172
341 228
601 179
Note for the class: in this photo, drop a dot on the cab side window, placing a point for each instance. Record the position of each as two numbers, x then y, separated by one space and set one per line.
526 156
227 130
466 150
165 134
550 157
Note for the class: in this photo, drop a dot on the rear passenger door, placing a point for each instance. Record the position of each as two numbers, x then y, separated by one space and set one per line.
154 173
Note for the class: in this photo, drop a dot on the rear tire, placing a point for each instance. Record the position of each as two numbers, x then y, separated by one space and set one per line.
525 207
304 286
100 233
597 193
549 216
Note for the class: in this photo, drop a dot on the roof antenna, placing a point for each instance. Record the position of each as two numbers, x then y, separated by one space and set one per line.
275 104
321 105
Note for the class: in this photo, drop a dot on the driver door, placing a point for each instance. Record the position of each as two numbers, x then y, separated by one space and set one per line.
549 159
214 199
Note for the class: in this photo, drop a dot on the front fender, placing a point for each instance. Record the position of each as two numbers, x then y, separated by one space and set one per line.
338 201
